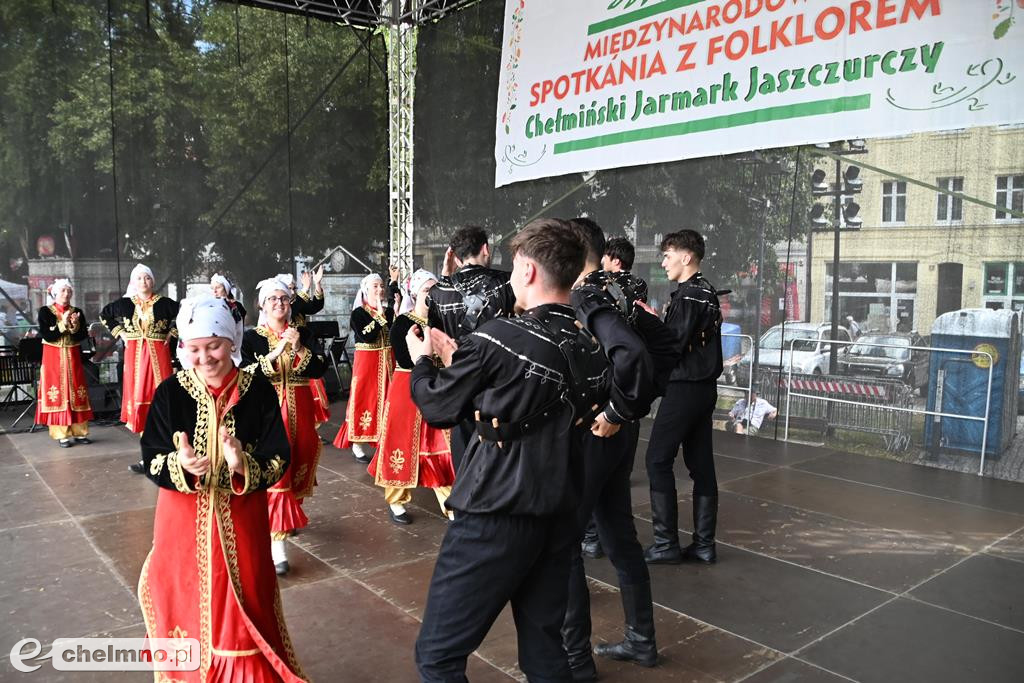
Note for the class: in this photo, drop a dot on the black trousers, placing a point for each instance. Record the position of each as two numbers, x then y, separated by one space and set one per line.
485 562
606 495
684 418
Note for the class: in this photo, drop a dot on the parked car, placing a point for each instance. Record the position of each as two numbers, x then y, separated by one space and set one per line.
891 362
810 355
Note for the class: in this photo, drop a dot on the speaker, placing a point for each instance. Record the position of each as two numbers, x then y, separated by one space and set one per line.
104 398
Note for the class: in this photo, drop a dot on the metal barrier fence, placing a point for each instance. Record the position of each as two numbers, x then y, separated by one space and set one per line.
800 391
869 410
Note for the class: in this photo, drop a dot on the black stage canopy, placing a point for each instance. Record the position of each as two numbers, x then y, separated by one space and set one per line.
365 13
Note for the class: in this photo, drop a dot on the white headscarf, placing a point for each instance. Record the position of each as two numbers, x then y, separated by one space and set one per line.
416 282
268 287
208 316
364 290
58 284
286 278
219 279
131 291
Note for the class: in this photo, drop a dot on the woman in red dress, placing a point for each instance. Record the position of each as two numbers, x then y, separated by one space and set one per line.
412 453
289 358
222 288
214 441
63 395
145 321
371 370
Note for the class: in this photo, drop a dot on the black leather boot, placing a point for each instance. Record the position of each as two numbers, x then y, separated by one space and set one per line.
665 517
591 545
639 646
576 627
705 517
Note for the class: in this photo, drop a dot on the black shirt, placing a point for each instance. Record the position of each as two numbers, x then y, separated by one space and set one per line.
370 330
258 342
509 369
304 305
399 329
696 319
50 331
487 291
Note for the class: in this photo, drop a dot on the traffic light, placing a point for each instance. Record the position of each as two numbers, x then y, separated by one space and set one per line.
851 180
818 220
818 184
850 217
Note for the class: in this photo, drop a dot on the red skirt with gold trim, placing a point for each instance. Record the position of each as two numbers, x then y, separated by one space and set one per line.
210 576
147 362
412 453
285 497
371 377
63 390
321 404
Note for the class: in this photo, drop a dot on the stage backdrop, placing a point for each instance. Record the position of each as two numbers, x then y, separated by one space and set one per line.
593 84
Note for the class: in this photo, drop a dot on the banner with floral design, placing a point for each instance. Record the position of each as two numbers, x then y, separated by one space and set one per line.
595 84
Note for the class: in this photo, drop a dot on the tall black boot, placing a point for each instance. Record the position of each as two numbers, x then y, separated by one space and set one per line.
665 517
639 646
705 517
576 626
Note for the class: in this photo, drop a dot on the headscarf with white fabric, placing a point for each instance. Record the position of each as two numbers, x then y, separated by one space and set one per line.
416 282
364 290
219 279
267 288
56 286
208 316
131 290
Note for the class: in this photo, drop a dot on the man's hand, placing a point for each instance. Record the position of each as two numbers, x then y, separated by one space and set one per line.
603 428
444 346
232 450
419 343
187 457
450 264
644 305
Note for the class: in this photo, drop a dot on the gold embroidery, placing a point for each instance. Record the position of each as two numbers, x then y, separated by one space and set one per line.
53 393
235 653
273 470
157 465
365 420
397 460
369 328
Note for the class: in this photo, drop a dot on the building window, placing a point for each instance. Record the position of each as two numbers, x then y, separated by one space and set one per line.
1004 286
881 297
950 208
894 201
1009 194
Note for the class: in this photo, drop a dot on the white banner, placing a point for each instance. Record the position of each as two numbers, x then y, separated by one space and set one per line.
594 84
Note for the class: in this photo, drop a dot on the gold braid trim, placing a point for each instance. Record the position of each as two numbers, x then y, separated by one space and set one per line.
204 524
157 466
177 473
305 355
228 541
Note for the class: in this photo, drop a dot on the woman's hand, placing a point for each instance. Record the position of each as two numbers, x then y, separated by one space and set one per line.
187 457
232 450
291 336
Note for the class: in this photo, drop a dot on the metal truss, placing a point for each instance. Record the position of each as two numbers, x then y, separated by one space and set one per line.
366 13
401 44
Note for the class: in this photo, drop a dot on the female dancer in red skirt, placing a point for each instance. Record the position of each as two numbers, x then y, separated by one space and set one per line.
412 453
214 441
371 370
289 358
63 393
145 321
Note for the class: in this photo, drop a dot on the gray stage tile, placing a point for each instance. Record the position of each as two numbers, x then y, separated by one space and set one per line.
908 641
26 498
890 560
53 584
770 602
98 484
125 537
342 631
937 520
982 586
1011 548
969 489
109 440
791 670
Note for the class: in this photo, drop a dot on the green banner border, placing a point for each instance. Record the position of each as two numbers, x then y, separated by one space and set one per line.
746 118
637 15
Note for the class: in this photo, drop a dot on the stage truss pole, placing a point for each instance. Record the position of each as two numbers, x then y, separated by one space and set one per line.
400 38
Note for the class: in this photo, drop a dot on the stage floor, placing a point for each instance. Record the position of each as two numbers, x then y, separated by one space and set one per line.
831 566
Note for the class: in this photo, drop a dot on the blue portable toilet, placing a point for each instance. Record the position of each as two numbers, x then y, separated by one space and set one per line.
959 382
731 346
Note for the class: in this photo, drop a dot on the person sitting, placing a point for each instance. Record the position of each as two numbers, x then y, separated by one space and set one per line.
747 417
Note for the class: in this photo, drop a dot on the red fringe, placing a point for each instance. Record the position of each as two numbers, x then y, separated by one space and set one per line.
341 440
285 511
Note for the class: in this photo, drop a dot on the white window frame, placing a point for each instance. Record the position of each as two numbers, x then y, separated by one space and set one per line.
1011 188
949 183
894 296
896 194
1009 300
